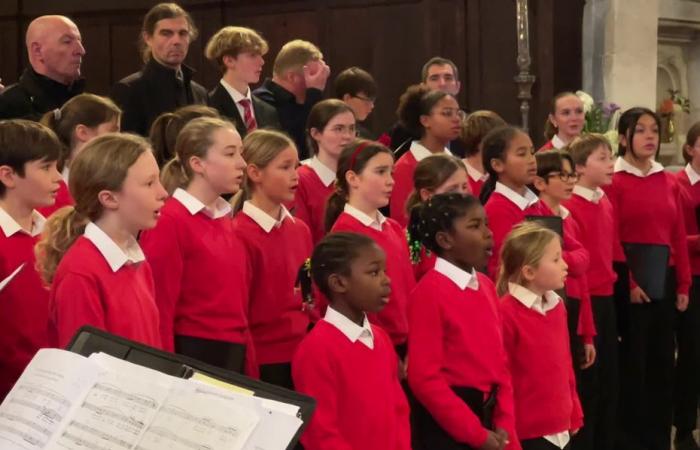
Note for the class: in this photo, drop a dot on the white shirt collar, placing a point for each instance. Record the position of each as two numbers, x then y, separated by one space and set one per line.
474 174
557 142
65 173
115 256
563 212
10 226
221 208
266 221
591 195
420 152
364 219
326 175
522 202
349 328
693 176
623 166
458 276
235 95
532 300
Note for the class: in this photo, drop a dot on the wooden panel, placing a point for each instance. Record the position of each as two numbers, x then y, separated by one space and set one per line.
9 48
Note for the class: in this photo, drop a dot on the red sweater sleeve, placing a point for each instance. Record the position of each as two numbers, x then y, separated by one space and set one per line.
403 186
162 249
314 375
501 221
300 205
680 247
425 344
76 302
576 411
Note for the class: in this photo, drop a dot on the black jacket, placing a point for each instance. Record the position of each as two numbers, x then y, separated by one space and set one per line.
145 95
34 94
292 115
265 115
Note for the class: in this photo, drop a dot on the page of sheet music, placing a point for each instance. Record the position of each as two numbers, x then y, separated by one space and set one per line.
193 421
33 410
113 414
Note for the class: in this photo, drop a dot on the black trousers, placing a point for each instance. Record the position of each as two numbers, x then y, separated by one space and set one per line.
279 374
646 368
227 355
687 387
598 385
540 444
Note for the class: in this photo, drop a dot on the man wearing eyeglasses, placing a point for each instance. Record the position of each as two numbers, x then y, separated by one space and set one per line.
357 88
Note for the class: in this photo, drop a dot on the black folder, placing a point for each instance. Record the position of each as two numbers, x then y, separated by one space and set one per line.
554 223
648 264
697 216
89 340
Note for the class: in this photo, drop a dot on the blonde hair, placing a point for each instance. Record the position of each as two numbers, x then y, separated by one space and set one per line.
232 41
524 246
294 55
259 149
195 139
102 165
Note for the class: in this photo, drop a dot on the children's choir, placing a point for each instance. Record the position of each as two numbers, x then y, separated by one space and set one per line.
512 300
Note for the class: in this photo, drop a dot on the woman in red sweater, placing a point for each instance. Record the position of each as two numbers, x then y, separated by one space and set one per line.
564 122
367 412
474 128
648 209
435 119
458 369
330 128
364 184
688 325
199 265
536 338
89 253
509 159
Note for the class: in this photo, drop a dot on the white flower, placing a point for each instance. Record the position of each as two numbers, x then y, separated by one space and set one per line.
587 100
614 139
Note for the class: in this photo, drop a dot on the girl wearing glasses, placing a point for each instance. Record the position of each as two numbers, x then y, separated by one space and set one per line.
435 119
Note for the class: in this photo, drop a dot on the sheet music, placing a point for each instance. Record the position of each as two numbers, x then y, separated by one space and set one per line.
9 278
113 414
33 410
193 421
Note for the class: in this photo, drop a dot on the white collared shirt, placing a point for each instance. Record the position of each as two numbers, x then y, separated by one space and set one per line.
237 97
350 329
693 176
458 276
557 142
65 173
591 195
364 219
521 201
115 256
221 207
473 173
623 166
266 221
420 152
532 300
10 226
563 212
326 175
560 439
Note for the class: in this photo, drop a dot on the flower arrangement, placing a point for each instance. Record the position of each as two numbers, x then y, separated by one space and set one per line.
675 103
601 117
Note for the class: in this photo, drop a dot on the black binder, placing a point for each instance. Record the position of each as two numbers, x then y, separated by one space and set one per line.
554 223
89 340
648 264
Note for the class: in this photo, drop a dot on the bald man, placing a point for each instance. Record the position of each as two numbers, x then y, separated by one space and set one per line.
55 51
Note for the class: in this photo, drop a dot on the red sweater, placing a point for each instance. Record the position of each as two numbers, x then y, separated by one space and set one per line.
392 239
475 186
403 186
455 339
310 201
596 231
63 198
503 215
691 201
275 312
578 260
24 311
649 210
85 291
200 273
361 405
547 146
544 387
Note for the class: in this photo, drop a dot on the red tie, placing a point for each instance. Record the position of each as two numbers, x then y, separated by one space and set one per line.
250 123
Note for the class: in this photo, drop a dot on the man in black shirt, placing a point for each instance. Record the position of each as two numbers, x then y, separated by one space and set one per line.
55 52
165 83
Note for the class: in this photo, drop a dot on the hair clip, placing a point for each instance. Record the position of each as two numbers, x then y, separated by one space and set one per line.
357 151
